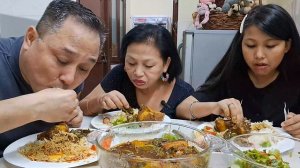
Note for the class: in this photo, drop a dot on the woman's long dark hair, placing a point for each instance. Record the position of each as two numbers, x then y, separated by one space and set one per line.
272 20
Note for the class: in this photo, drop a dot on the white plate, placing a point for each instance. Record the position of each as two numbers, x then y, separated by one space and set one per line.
282 146
12 156
276 129
210 124
96 122
280 143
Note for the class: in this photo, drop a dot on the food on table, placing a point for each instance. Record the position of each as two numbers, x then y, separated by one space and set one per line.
224 127
221 124
231 128
147 114
153 137
210 130
124 117
134 115
265 144
61 127
262 127
167 147
271 158
59 145
257 141
106 120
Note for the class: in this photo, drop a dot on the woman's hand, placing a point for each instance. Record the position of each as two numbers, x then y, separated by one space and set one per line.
230 108
113 100
292 124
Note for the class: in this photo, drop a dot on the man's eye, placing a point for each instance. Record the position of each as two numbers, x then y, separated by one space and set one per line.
62 61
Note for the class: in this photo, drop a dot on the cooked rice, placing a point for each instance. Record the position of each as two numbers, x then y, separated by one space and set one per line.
263 127
63 147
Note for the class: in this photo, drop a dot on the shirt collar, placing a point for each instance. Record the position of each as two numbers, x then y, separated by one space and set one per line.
14 60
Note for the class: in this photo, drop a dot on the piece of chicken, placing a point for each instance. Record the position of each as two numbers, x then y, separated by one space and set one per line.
63 127
147 114
231 128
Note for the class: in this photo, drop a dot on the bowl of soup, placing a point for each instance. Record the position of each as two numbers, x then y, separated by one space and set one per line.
153 144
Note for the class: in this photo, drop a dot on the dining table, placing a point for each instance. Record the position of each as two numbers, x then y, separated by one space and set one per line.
217 159
86 123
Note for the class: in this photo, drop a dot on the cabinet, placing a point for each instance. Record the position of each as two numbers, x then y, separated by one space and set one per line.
102 8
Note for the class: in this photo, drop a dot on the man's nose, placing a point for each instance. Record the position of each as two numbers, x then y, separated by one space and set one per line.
68 75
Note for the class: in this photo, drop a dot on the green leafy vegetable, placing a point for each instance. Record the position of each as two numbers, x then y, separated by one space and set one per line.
272 158
170 137
120 120
266 144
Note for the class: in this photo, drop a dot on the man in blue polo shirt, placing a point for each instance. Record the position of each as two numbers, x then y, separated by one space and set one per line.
42 72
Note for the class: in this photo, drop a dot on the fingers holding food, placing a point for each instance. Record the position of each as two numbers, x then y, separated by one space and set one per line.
231 108
224 109
108 104
54 104
113 100
230 128
77 119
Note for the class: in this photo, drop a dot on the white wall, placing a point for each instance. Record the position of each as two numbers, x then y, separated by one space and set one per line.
286 4
17 15
30 9
297 14
185 21
148 7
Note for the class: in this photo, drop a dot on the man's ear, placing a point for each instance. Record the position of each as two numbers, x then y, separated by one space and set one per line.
30 36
